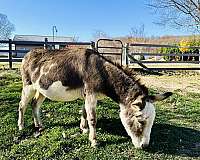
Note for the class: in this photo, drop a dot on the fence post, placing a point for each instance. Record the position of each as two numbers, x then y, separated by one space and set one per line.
46 43
10 54
93 45
125 54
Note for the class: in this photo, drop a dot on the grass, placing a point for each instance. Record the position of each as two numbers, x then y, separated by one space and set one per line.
5 65
175 134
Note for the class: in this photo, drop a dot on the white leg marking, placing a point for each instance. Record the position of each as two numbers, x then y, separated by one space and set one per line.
27 94
90 106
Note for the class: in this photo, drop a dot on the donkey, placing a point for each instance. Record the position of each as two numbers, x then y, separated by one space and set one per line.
71 73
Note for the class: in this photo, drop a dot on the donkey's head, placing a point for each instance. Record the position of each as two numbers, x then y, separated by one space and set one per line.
138 117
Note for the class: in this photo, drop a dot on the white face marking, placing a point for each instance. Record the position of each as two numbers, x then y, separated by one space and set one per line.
147 115
149 110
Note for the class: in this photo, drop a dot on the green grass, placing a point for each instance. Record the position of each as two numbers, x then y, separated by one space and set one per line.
175 134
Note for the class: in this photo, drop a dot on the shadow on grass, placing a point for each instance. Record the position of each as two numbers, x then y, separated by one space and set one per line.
65 125
165 138
26 133
112 126
170 139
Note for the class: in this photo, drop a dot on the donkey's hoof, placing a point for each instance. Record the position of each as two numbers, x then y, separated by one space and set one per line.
94 144
37 134
84 131
20 127
39 128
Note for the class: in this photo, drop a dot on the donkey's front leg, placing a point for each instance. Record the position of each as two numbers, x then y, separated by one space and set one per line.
90 106
84 124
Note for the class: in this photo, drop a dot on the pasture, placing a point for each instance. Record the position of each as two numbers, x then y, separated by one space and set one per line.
175 134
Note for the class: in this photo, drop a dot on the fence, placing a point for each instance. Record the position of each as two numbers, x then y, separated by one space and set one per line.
180 64
126 54
111 47
10 59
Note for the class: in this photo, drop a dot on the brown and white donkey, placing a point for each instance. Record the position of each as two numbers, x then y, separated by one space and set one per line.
65 75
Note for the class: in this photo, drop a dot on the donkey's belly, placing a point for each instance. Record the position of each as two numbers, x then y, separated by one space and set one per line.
58 92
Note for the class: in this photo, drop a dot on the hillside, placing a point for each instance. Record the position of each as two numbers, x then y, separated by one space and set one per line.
160 40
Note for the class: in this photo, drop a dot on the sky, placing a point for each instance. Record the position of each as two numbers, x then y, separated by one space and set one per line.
82 18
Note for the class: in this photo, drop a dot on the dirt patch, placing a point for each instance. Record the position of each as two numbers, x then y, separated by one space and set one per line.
184 83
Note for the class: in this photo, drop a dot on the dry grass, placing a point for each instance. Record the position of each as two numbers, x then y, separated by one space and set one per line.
180 83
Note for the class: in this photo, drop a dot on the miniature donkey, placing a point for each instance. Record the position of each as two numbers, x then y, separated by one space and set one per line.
71 73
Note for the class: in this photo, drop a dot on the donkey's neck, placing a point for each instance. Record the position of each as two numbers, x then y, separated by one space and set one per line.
120 86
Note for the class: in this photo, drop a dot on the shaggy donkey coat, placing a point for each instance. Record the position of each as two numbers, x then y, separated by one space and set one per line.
64 75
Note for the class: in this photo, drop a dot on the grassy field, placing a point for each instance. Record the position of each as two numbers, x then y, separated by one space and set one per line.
175 134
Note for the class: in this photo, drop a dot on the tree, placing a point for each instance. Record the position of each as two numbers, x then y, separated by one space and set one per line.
137 32
178 13
6 27
99 34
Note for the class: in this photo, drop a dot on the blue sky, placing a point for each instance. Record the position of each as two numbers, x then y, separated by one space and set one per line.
82 18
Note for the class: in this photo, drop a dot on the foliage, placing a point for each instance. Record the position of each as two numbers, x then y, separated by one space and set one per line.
165 50
186 47
175 134
183 45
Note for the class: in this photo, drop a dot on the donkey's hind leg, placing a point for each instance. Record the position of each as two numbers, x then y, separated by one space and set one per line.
28 93
84 124
90 106
36 103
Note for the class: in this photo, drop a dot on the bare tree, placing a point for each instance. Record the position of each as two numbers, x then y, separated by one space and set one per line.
75 38
178 13
137 32
6 27
99 34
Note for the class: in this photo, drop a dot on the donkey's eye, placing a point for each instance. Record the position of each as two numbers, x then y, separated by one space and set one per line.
138 104
142 123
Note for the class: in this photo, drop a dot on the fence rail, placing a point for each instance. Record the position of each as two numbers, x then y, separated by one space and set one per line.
9 52
123 51
161 46
182 64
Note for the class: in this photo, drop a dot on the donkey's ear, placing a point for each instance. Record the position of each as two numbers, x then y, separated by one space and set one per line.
159 97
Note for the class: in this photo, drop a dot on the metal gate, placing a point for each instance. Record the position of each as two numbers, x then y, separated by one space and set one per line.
111 48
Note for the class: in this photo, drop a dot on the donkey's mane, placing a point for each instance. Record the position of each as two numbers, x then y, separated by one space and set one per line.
126 70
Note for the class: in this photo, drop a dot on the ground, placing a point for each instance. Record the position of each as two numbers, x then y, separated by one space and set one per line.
180 83
175 134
